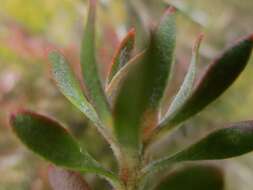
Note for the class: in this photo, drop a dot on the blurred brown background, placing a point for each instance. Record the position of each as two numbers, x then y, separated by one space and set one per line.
28 29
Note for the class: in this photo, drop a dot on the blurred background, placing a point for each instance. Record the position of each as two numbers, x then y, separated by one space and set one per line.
28 29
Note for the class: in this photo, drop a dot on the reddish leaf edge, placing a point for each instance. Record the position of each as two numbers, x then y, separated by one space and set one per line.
198 41
214 62
153 26
160 130
110 176
231 45
24 111
170 10
129 36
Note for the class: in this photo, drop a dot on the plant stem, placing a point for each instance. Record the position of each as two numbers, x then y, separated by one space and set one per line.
129 169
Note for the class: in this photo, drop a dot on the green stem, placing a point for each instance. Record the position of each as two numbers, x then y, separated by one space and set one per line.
130 169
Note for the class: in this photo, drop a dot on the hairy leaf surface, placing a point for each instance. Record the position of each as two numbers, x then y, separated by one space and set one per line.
50 140
122 54
188 83
217 78
144 85
89 68
229 142
70 87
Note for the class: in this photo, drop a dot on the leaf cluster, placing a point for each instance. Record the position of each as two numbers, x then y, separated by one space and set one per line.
127 112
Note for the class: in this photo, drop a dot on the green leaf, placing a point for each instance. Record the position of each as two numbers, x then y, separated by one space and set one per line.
128 110
160 56
217 78
187 85
143 88
61 179
233 141
50 140
89 68
114 86
70 87
196 177
122 54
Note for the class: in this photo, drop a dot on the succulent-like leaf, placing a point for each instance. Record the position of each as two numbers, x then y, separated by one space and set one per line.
128 110
218 77
114 86
51 141
122 54
224 143
160 56
89 68
61 179
143 88
70 87
196 177
187 85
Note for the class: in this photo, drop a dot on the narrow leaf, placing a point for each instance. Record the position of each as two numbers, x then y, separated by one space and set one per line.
122 54
196 177
61 179
89 68
114 86
217 78
187 85
70 87
128 109
225 143
160 56
50 140
143 88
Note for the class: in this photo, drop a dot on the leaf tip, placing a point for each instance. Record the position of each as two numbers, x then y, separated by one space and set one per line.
132 32
130 37
48 49
198 41
248 38
52 55
26 113
14 114
170 10
51 52
17 112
